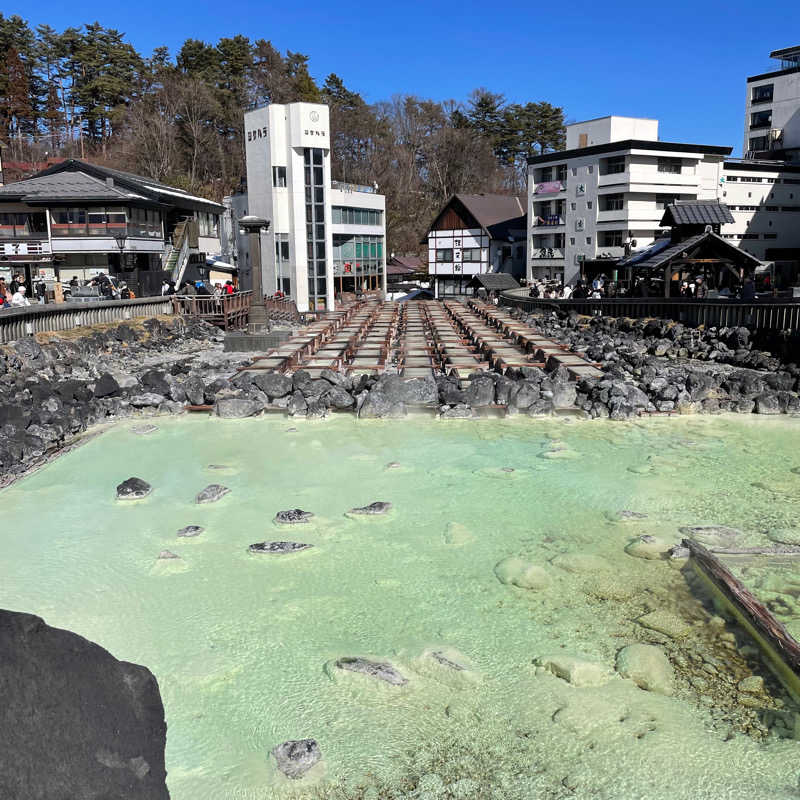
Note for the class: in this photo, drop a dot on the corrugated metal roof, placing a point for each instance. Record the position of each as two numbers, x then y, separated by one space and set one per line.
697 212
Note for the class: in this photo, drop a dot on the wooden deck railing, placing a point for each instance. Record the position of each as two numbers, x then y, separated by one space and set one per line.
229 311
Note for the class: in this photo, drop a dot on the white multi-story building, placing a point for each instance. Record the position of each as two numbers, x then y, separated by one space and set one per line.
324 237
591 201
772 110
604 196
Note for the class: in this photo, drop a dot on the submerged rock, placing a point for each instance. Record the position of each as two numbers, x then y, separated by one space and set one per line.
212 493
133 489
144 430
294 516
381 670
790 536
649 547
295 758
378 507
665 622
518 572
577 671
711 533
278 548
648 667
446 662
393 465
167 554
190 530
581 563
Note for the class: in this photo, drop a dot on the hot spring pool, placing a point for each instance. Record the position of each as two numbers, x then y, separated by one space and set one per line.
242 645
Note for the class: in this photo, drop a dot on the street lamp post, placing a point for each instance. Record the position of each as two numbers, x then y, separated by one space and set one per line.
257 317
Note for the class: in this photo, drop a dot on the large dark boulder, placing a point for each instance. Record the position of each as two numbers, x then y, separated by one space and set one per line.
274 384
74 721
156 381
28 349
480 391
236 407
195 390
337 397
419 391
106 386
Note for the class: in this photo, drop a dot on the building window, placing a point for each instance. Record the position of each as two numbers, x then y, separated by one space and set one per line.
588 204
558 241
279 177
315 227
572 241
470 254
761 119
207 224
611 238
758 143
573 206
762 94
21 226
588 240
612 202
574 171
344 215
545 174
612 166
671 165
561 173
444 255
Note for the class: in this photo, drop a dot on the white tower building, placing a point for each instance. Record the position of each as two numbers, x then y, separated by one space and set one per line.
324 237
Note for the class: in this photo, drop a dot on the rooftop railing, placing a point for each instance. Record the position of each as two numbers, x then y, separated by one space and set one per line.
353 187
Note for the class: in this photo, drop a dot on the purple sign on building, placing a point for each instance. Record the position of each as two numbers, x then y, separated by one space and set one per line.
549 187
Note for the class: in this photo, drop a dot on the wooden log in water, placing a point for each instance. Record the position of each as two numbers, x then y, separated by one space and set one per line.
780 648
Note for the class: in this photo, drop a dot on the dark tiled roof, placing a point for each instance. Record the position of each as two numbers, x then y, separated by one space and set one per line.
696 212
67 186
74 180
497 281
409 262
660 259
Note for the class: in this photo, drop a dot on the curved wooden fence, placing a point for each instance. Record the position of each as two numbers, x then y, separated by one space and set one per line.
16 323
767 315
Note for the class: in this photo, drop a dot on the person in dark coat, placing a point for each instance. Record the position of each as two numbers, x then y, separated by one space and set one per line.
748 293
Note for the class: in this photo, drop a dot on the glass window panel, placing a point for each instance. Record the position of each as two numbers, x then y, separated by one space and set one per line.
321 250
319 212
6 225
310 251
319 195
318 176
358 249
284 251
336 215
317 157
320 231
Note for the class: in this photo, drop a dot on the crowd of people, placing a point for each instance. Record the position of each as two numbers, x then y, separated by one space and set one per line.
199 288
601 288
14 294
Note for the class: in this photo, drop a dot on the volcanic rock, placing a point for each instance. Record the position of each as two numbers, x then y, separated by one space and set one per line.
190 531
79 723
212 493
378 507
294 516
133 489
278 548
295 758
381 670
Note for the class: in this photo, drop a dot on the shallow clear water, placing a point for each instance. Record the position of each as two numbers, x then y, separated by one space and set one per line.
242 645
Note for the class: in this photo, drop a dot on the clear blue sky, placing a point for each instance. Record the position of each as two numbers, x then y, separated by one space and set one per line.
681 62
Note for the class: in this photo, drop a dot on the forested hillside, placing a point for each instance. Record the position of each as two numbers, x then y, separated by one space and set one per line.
87 93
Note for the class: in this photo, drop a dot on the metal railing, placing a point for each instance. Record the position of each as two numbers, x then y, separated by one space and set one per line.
766 315
17 323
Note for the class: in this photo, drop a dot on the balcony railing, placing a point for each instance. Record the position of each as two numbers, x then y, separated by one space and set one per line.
548 220
353 187
540 253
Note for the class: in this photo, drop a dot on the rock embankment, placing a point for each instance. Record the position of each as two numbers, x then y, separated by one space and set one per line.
56 386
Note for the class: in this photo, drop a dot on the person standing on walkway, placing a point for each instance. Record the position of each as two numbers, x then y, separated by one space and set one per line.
19 300
702 290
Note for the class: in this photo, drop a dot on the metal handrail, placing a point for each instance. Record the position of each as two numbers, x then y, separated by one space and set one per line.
16 323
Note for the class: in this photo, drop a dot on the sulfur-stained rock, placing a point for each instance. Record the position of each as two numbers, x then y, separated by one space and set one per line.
518 572
575 670
648 667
